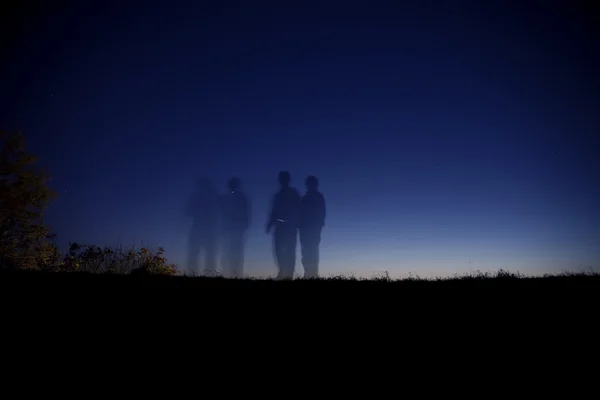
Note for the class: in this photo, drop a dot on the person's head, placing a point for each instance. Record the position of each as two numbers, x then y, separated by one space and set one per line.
234 184
284 178
312 183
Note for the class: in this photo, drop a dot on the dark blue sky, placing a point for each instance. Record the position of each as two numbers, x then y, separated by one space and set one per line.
448 136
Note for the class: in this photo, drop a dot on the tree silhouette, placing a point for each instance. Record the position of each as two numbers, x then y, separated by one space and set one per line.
24 196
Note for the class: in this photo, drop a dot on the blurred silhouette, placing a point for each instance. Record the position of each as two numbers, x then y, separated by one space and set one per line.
235 219
311 224
202 207
284 215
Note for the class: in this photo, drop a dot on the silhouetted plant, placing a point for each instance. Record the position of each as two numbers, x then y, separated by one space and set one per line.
91 258
503 274
156 263
24 196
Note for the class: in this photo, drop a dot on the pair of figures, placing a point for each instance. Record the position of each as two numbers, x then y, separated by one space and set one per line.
214 215
290 215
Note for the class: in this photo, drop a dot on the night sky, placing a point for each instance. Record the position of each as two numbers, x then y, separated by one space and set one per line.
448 136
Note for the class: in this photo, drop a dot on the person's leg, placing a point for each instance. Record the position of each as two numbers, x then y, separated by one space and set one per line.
210 255
279 251
241 241
310 239
306 249
224 249
237 254
291 239
193 254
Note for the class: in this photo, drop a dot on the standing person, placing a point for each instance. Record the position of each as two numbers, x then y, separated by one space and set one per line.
235 208
284 215
311 225
202 207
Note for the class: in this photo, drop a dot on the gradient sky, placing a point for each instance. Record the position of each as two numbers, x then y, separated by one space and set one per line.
448 136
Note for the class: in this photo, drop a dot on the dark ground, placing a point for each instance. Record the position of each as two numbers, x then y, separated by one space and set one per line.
378 314
581 282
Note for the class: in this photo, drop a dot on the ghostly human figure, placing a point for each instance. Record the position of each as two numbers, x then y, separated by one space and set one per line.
283 216
235 220
312 222
202 207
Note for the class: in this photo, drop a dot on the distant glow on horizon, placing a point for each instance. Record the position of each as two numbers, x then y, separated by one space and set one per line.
424 259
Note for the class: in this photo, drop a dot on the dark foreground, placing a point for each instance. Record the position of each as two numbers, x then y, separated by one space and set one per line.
504 301
13 279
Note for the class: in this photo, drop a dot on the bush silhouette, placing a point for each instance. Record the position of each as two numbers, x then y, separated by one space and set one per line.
91 258
26 241
24 196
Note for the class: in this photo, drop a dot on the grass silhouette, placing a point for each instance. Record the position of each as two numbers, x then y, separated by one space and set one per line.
501 278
